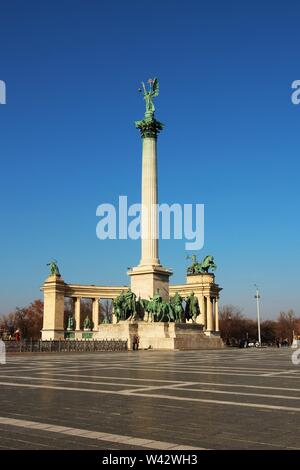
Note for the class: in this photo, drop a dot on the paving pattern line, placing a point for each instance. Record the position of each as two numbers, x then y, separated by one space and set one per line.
101 436
90 382
274 374
172 382
148 395
205 372
113 377
226 392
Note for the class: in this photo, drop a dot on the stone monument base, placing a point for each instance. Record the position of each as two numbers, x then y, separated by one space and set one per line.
160 335
48 335
147 280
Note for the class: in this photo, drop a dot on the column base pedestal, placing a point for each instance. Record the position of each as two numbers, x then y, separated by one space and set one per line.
216 334
52 334
146 280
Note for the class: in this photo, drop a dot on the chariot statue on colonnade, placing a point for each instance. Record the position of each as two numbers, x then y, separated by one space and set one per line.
203 267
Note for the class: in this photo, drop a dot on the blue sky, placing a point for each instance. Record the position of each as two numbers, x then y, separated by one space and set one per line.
231 141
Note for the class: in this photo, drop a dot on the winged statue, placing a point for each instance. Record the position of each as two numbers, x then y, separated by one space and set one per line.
150 94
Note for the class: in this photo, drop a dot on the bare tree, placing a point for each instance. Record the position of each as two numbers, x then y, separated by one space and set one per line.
286 324
29 320
231 324
106 309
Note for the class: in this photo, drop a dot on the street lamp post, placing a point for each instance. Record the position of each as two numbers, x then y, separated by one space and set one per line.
257 297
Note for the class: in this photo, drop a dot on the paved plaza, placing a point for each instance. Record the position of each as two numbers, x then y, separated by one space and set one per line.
230 399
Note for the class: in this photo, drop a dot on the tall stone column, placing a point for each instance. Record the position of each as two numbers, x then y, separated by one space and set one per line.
95 314
207 290
205 311
210 320
201 317
54 306
114 317
149 219
77 313
217 327
149 276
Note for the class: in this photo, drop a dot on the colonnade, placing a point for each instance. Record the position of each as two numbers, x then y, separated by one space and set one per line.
55 290
209 313
95 312
207 292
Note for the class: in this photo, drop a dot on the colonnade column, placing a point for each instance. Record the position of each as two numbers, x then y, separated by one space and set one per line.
210 320
149 276
95 314
77 312
114 317
204 306
149 214
201 317
217 327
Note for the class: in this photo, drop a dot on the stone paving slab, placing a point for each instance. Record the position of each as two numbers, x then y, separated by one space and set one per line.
228 399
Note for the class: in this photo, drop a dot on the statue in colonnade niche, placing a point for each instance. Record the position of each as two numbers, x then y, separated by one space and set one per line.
105 319
87 324
70 323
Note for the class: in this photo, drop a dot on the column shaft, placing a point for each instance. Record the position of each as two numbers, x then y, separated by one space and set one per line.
217 314
95 314
204 303
114 318
201 317
210 322
77 313
149 218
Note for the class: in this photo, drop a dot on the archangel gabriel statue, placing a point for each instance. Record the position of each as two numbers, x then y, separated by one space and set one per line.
149 126
149 95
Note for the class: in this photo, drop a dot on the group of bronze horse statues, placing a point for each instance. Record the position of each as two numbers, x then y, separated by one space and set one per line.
128 307
178 309
202 267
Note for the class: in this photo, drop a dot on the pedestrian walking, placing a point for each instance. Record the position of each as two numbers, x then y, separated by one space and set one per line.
135 343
